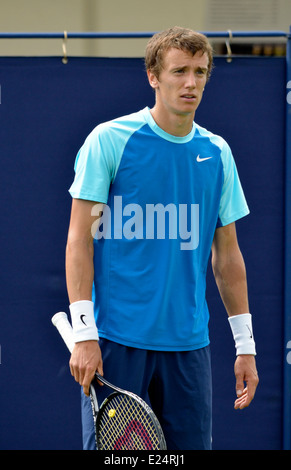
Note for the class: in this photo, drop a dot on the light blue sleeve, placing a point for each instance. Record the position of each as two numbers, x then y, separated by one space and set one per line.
233 204
98 160
95 166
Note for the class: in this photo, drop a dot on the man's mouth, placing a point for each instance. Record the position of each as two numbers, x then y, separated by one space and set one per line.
189 97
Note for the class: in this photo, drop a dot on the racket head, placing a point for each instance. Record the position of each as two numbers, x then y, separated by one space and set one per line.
126 422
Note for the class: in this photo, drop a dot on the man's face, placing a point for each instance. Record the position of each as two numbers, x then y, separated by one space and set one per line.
180 85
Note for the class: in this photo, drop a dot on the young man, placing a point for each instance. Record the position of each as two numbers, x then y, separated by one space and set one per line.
153 194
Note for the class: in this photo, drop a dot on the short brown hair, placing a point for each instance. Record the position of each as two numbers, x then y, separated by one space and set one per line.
179 38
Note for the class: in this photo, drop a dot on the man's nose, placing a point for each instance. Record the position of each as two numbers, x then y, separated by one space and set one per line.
191 80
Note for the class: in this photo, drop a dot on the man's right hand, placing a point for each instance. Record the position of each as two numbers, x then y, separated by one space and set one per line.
85 360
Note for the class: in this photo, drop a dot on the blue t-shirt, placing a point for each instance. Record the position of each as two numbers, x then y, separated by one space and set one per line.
164 198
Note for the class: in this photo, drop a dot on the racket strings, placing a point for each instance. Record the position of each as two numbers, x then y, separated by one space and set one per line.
126 425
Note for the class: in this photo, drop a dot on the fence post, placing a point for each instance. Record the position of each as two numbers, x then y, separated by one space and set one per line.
287 286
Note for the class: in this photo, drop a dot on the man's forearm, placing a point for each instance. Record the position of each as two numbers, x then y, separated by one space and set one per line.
79 270
231 280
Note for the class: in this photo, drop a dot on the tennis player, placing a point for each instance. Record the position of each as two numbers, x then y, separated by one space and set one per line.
154 193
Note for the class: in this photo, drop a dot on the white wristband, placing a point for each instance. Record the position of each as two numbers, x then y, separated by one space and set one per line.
83 321
242 330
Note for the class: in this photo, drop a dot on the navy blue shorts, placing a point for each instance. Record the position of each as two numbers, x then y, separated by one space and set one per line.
177 385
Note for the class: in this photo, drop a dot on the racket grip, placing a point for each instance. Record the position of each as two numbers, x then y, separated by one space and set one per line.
61 322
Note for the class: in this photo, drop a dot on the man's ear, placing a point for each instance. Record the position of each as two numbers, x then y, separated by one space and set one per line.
153 81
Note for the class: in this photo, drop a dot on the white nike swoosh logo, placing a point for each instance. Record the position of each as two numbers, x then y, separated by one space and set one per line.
202 159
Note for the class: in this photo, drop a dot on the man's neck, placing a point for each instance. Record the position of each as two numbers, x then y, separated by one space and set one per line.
178 125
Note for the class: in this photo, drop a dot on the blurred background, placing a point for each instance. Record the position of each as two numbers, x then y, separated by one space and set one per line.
133 15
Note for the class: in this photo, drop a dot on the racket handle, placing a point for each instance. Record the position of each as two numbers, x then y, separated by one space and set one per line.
61 322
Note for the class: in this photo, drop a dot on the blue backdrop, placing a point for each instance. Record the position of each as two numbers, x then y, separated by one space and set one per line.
46 111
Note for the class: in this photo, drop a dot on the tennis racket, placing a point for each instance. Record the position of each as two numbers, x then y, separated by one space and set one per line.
124 421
